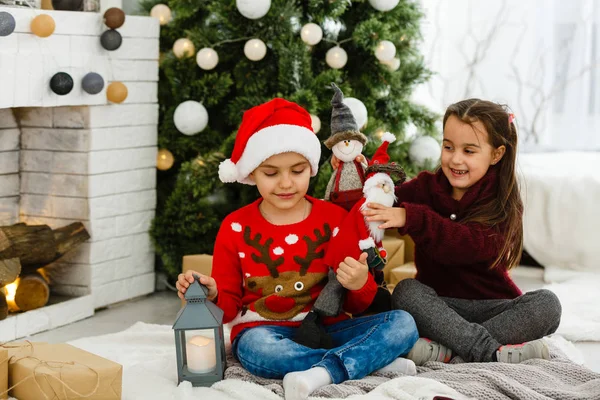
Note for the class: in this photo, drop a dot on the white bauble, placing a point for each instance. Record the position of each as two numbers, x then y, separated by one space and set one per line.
183 48
207 58
359 110
190 117
255 49
311 33
385 51
410 131
392 64
315 123
162 12
336 57
424 150
253 9
384 5
347 150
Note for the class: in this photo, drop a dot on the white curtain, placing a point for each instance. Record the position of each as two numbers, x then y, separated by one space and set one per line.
541 57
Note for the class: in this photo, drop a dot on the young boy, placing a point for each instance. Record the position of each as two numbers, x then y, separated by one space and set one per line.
268 264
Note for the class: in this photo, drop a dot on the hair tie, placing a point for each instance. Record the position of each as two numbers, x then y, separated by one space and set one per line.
511 118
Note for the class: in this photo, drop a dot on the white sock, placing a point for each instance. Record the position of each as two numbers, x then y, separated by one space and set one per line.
401 365
299 385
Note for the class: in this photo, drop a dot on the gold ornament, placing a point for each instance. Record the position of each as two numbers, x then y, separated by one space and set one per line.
183 48
164 159
43 25
116 92
162 12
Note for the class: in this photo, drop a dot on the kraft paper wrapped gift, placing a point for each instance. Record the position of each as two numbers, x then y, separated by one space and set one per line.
395 254
3 373
402 272
42 371
198 262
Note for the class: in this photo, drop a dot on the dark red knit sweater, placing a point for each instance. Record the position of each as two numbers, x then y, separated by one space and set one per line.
452 257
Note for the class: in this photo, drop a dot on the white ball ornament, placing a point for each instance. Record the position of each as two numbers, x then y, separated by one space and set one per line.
190 117
311 33
207 58
392 64
315 123
385 50
424 150
253 9
255 49
384 5
162 12
359 110
336 57
183 48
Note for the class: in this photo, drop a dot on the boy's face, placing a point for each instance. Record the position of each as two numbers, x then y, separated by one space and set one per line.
283 179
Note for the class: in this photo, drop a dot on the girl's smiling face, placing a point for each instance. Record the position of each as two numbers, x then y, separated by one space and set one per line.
466 154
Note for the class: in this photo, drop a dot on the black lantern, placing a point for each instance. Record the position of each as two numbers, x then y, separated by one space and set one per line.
200 355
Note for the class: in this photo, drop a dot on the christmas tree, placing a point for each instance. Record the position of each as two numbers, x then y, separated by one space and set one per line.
222 57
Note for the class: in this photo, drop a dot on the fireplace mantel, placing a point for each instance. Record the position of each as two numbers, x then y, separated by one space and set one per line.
78 157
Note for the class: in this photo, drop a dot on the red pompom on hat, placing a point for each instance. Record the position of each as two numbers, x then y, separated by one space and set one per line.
275 127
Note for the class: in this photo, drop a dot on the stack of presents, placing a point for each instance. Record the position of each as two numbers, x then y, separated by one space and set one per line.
37 371
400 255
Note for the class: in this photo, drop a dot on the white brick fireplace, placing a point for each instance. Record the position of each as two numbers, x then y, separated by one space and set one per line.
78 158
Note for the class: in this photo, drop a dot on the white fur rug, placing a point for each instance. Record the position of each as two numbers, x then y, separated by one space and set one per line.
147 353
580 298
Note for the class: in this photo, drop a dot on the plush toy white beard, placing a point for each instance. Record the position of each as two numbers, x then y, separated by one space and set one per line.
374 194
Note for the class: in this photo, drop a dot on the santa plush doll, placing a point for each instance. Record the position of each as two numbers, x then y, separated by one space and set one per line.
355 236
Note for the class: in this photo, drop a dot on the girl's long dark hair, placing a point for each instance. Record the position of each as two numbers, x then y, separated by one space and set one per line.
505 210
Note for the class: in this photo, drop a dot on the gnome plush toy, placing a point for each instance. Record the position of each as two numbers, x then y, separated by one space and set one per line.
346 142
355 236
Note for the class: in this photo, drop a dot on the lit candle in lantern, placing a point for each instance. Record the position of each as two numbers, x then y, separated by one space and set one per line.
201 355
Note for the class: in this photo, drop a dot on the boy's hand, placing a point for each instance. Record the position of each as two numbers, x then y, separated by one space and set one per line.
353 274
185 280
335 162
392 217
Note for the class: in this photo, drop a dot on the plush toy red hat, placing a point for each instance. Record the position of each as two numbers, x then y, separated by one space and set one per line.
380 163
278 126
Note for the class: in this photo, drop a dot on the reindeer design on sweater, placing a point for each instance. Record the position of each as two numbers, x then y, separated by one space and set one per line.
285 294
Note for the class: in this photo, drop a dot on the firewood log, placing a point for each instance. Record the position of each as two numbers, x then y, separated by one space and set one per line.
3 306
33 292
9 270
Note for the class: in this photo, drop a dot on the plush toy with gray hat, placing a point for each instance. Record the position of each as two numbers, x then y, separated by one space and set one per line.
346 142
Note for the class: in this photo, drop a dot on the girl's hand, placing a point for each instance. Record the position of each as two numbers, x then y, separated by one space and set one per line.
185 280
335 162
353 274
392 217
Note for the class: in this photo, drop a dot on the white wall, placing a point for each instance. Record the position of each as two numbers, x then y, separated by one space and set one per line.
538 56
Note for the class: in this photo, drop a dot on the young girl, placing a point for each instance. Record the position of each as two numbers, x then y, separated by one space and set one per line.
466 223
268 264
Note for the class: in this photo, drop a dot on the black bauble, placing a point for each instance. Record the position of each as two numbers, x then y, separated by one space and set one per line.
111 40
7 23
61 83
68 5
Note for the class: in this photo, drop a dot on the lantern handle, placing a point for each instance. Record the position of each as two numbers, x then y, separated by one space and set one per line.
202 286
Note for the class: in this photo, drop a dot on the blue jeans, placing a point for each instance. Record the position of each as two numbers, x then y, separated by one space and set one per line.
363 345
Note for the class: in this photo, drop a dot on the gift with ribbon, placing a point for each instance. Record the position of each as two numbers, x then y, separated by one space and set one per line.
43 371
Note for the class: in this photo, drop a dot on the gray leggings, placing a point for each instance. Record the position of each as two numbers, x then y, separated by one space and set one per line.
475 329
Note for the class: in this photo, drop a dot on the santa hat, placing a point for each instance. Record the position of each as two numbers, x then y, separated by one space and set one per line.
278 126
343 124
380 162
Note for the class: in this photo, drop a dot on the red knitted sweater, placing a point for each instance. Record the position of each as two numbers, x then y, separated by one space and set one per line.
271 274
